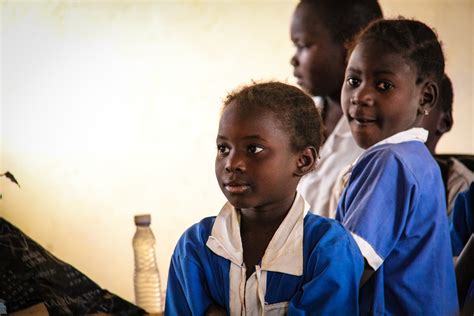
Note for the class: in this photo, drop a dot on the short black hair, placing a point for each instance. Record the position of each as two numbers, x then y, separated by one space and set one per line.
446 95
415 41
345 18
294 109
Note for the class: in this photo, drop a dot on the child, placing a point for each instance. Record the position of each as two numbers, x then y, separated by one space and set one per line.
394 203
456 176
264 253
462 230
462 223
319 30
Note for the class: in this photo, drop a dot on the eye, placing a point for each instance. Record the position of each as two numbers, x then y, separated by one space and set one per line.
253 149
302 45
298 47
223 149
384 85
353 82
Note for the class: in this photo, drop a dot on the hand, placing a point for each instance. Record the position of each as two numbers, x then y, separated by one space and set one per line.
216 310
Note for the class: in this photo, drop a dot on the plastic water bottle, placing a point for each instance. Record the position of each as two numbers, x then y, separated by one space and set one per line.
147 277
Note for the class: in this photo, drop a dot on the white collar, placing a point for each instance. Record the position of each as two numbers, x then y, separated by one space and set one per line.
319 102
284 252
413 134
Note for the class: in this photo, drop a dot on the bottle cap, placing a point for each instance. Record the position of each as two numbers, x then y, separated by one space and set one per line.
143 219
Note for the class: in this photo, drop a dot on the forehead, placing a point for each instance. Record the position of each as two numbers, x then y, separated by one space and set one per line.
374 56
249 119
306 20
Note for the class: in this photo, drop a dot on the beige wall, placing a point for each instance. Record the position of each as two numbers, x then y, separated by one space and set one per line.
110 109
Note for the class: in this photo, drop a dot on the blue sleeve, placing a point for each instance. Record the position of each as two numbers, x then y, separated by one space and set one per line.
462 222
377 201
187 292
331 283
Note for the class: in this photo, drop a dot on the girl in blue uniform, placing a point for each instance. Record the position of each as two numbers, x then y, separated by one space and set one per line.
394 204
462 230
265 253
462 220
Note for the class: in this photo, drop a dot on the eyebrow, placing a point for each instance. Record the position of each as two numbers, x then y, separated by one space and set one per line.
353 70
249 137
378 72
384 72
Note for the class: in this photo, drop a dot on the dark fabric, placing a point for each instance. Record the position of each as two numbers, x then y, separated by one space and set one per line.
444 165
29 275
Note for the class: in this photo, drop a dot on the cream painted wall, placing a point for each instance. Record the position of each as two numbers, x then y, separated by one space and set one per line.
110 108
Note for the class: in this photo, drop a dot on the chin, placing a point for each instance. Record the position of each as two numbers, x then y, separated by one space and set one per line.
239 202
305 88
313 92
363 142
240 206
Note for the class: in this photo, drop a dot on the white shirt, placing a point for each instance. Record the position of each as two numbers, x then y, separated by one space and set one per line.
339 151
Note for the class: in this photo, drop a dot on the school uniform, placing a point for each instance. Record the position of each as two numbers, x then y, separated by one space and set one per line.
462 220
461 229
311 266
394 206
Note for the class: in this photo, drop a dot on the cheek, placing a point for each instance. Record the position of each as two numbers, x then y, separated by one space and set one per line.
345 97
314 63
398 119
218 167
309 58
409 112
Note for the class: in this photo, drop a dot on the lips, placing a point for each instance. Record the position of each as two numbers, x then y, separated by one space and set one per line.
363 121
299 78
360 118
237 187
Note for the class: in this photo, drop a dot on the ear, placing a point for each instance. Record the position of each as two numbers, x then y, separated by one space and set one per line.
306 161
428 97
445 123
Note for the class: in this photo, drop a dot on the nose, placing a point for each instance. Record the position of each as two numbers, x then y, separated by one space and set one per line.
363 95
294 61
235 162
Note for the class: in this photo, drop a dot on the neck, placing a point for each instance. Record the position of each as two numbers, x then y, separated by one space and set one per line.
331 114
266 216
431 145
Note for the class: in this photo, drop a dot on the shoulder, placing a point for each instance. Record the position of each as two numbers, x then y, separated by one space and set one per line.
325 240
321 231
196 235
405 151
459 171
412 156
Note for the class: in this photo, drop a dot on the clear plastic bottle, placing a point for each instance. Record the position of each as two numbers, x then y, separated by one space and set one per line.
147 277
